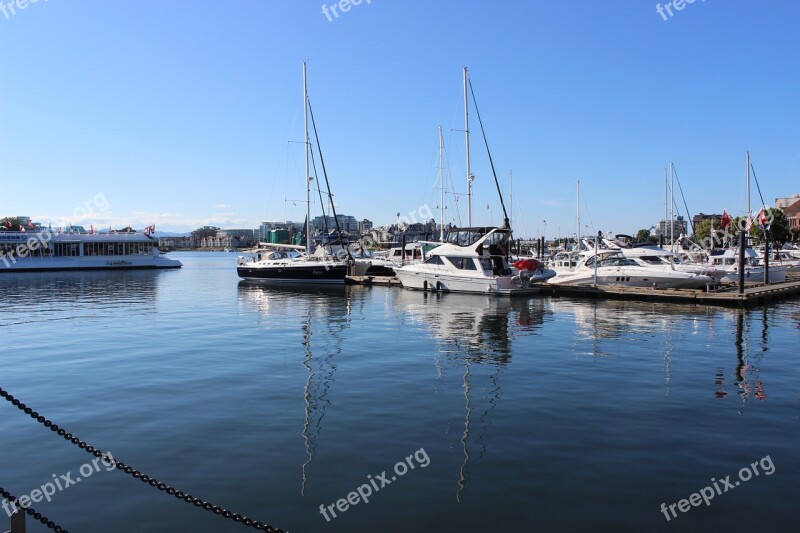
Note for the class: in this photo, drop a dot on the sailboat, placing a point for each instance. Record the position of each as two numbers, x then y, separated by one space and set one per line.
285 263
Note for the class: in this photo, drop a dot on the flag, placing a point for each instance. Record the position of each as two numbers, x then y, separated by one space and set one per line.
30 224
749 223
22 228
8 224
762 217
726 220
149 230
91 229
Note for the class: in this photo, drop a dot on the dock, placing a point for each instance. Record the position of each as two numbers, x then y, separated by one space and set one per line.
755 294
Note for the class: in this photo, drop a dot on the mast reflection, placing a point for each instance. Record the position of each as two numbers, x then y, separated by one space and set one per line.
474 333
326 312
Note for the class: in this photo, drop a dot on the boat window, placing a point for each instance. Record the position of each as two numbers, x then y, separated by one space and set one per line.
651 259
463 263
486 264
434 260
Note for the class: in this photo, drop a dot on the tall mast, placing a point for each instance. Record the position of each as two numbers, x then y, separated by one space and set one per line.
747 175
578 215
441 186
671 204
466 135
666 196
308 171
511 195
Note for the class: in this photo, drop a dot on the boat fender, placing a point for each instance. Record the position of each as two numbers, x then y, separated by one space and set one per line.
425 285
438 285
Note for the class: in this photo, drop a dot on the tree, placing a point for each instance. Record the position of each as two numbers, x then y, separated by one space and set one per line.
702 231
779 227
643 235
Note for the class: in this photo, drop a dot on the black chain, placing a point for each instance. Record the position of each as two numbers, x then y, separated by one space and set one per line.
153 482
38 516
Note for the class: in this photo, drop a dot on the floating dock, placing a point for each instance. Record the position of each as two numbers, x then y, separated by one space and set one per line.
754 293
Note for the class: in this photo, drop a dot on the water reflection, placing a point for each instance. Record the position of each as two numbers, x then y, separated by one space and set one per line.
43 296
324 312
475 333
746 373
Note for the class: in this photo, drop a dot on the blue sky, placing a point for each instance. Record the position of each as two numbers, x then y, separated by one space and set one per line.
183 113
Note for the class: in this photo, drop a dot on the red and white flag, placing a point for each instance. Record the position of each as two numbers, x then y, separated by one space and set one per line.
762 217
749 223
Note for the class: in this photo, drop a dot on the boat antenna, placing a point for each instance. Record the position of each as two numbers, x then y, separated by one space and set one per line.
491 162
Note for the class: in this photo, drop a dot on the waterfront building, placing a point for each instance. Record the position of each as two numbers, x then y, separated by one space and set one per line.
678 227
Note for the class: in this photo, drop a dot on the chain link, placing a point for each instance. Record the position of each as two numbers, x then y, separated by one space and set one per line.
31 511
153 482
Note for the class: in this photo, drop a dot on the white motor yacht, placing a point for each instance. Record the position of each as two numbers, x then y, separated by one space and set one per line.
754 270
616 270
473 267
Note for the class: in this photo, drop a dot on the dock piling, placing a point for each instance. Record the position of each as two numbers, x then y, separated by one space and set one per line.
742 244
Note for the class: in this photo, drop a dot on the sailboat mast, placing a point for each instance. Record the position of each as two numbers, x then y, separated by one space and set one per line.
578 215
511 196
466 137
671 204
308 171
441 186
666 197
747 176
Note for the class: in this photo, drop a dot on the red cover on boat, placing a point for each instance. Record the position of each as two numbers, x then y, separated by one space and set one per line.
526 264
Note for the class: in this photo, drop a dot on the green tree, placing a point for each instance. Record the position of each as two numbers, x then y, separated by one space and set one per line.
779 228
643 235
703 229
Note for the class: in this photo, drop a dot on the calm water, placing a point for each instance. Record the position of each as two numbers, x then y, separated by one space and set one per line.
534 414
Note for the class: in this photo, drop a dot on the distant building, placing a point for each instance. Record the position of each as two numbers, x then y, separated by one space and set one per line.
783 203
701 217
177 243
266 227
347 223
365 227
792 212
678 227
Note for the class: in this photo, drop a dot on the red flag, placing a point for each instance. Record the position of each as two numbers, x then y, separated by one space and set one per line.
8 224
749 223
762 217
91 229
30 224
726 220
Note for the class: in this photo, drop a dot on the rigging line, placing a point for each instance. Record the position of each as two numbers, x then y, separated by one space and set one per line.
321 203
583 196
491 162
327 183
757 185
688 213
453 186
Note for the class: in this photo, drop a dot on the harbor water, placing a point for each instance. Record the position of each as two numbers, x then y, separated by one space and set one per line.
524 414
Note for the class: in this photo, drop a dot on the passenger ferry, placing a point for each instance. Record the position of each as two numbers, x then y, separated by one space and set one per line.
43 250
